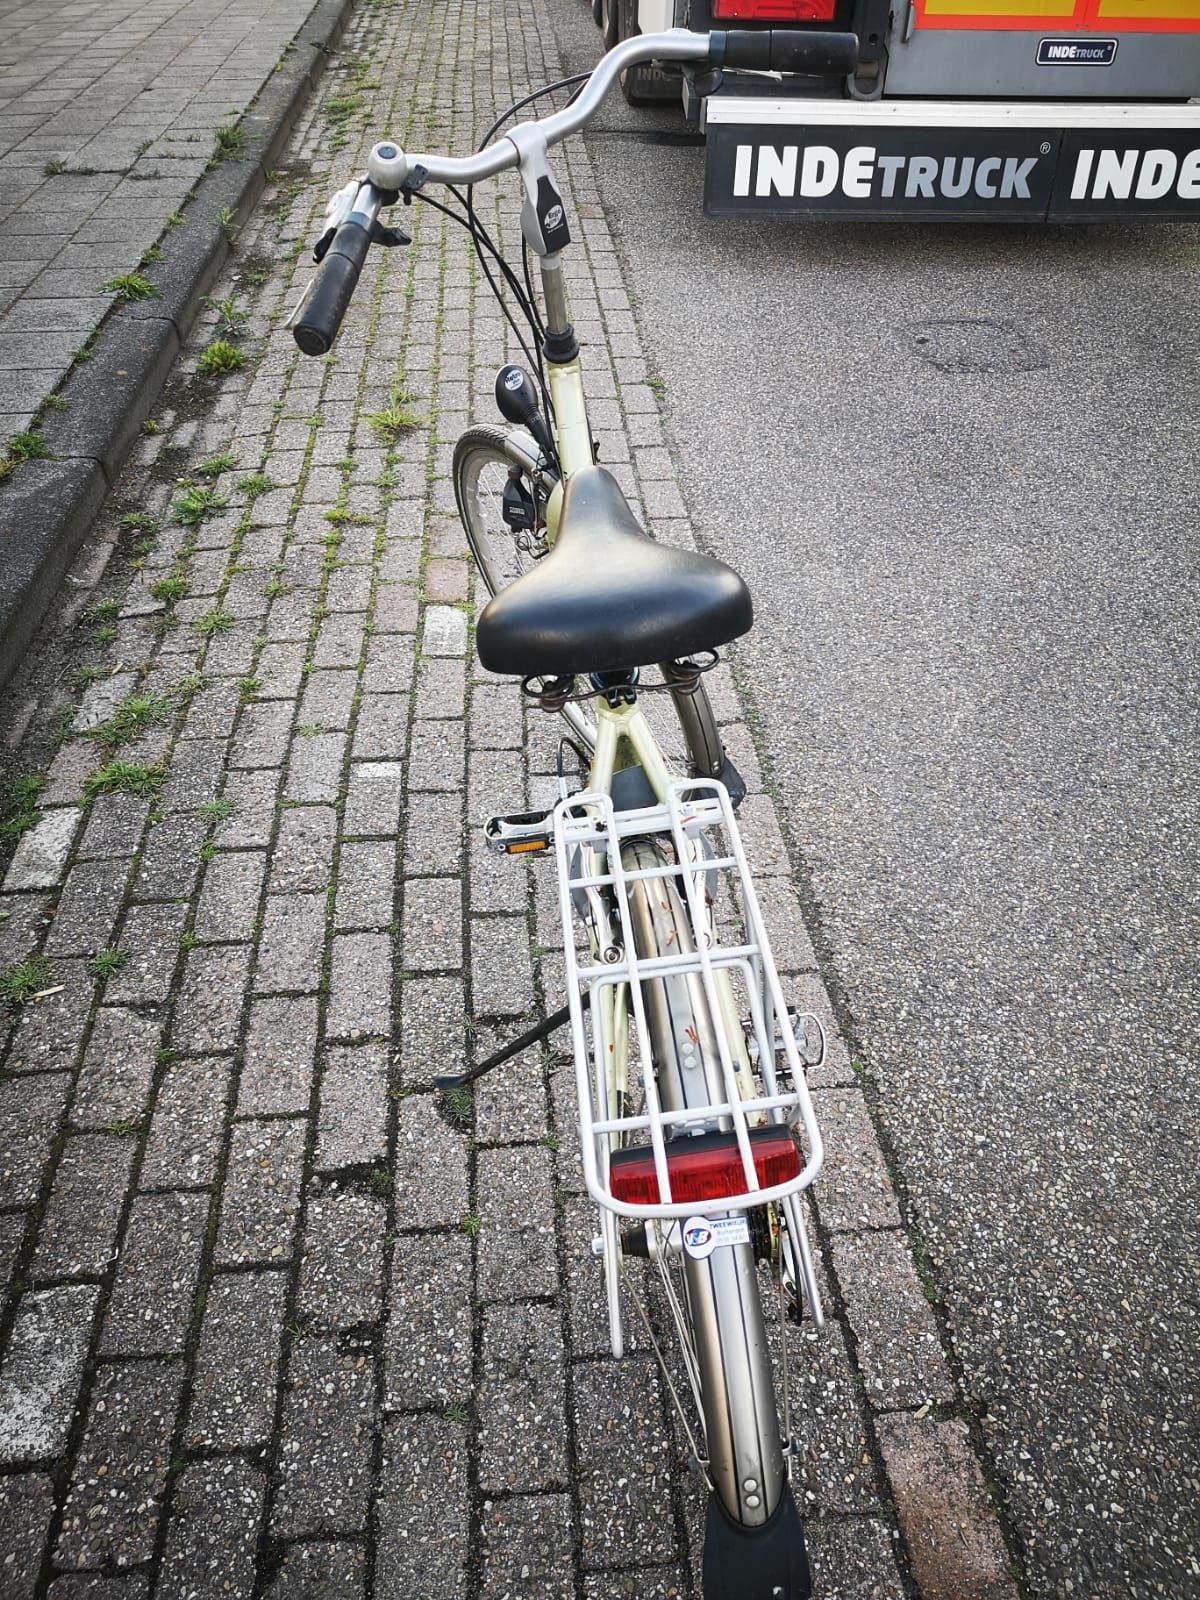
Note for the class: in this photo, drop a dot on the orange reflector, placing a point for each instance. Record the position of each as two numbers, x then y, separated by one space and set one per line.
708 1167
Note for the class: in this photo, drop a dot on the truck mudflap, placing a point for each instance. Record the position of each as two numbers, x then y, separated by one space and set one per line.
1032 161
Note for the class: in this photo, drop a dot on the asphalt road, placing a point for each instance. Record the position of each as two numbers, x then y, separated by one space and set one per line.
958 468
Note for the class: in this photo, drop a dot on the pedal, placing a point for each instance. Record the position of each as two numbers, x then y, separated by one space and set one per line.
525 833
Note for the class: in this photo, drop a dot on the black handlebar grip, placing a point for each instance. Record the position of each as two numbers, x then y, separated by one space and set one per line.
817 55
325 301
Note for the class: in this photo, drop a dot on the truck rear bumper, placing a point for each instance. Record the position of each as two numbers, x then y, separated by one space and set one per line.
1062 161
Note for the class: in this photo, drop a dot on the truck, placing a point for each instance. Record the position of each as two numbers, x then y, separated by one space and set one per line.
1009 110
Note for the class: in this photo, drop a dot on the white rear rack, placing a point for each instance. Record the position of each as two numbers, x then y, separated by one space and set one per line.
588 836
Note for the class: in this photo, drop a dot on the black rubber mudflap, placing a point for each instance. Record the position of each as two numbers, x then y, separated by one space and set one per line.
764 1563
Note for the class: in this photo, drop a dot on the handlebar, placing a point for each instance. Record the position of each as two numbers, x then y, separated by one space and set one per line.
391 170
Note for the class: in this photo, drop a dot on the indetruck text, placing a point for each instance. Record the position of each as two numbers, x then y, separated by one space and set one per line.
862 173
1136 175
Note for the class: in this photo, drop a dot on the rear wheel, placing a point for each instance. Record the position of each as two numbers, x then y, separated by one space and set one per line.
645 84
682 722
754 1543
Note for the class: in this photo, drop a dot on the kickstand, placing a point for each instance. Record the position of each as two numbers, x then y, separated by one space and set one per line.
459 1080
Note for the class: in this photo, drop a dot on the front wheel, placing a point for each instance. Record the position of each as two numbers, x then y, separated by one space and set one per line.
682 722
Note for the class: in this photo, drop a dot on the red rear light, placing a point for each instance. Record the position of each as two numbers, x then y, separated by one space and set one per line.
705 1168
773 10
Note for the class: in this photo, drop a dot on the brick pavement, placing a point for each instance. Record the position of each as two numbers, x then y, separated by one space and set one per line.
108 115
278 1321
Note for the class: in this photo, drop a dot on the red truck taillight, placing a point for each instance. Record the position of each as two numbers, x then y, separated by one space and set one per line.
773 10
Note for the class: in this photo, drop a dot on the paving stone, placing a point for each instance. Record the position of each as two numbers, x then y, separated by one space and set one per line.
521 1400
42 1371
292 944
24 918
149 942
233 1391
12 1237
835 1468
441 688
366 884
374 798
329 699
396 611
92 1586
432 834
209 1008
517 1254
432 924
87 909
339 642
195 775
252 795
30 1112
315 1570
642 1583
360 985
758 823
170 861
496 717
155 1283
389 664
341 1259
229 896
445 631
510 1103
423 1515
501 978
528 1548
853 1559
432 1030
280 669
427 1334
949 1527
114 827
302 860
263 734
381 732
26 1506
213 1532
896 1336
75 761
79 1230
114 1501
446 581
437 757
431 1167
261 1198
784 919
118 1069
51 1029
41 854
315 768
623 1463
352 1130
278 1070
189 1118
855 1191
326 1444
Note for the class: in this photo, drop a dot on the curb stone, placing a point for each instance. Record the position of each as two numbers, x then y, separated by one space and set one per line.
49 506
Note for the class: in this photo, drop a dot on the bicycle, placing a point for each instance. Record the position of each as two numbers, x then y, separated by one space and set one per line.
697 1131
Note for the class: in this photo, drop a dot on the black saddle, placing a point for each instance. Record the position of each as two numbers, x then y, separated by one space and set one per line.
607 597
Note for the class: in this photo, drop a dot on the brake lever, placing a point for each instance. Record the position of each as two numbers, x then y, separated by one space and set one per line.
341 206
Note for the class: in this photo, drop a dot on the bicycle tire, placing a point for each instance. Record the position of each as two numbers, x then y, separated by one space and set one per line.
722 1298
688 733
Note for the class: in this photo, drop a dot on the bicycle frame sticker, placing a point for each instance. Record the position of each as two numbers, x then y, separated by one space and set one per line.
703 1235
